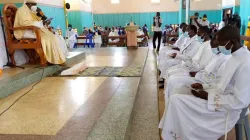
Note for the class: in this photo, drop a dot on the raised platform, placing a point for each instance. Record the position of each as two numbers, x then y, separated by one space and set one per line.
14 79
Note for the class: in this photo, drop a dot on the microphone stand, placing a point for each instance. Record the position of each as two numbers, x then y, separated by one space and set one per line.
9 64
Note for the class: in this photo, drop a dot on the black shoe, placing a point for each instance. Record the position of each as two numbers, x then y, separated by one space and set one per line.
161 86
162 81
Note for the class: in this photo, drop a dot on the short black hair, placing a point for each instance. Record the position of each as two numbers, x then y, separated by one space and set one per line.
229 33
196 13
205 15
205 29
69 25
193 28
182 25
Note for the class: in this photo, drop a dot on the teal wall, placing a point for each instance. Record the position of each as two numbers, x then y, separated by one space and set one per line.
214 16
56 13
80 19
237 9
244 13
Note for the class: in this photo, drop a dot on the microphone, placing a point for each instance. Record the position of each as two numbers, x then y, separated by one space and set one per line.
41 14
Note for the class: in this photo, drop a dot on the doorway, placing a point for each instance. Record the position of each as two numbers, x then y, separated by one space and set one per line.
227 13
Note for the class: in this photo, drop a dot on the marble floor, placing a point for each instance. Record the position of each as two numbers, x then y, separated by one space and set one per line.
71 108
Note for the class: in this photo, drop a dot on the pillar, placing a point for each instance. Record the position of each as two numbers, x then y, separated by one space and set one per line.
187 10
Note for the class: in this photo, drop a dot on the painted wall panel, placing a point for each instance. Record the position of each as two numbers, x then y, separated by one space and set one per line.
56 13
244 13
80 19
121 19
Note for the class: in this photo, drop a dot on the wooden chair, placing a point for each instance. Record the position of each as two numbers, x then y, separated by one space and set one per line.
9 13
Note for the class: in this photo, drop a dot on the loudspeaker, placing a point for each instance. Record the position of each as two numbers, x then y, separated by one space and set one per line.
67 5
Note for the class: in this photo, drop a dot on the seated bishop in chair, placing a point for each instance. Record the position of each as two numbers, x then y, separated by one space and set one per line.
27 16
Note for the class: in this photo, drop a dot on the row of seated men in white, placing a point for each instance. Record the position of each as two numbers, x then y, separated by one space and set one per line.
53 45
206 84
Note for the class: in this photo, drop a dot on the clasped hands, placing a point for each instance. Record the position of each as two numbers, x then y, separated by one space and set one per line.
198 91
173 55
46 22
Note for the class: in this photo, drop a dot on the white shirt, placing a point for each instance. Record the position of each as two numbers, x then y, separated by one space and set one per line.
70 33
204 23
157 28
113 33
221 25
181 41
189 50
203 56
200 21
232 92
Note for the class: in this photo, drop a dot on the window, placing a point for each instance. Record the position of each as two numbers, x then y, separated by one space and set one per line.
155 1
115 1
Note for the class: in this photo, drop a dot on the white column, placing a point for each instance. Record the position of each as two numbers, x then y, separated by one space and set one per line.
187 11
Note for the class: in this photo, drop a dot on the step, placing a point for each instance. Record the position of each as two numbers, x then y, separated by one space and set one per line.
32 74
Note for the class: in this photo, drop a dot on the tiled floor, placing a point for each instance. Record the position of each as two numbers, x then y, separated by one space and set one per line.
69 108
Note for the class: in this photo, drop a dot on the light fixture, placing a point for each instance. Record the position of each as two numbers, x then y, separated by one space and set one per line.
155 1
115 1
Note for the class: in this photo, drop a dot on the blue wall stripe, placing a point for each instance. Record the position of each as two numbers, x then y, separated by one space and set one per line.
80 19
214 16
244 13
51 12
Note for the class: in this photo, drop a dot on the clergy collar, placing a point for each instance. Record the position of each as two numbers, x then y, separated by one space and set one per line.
239 51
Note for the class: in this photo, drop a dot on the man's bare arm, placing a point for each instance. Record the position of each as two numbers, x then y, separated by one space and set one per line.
246 38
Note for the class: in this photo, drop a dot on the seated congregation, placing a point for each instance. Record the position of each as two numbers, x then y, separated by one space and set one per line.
117 35
204 76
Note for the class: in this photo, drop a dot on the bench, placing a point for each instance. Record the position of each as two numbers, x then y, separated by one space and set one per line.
144 41
122 41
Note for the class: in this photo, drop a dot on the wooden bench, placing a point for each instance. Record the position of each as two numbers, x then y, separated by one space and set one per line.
122 41
144 41
81 43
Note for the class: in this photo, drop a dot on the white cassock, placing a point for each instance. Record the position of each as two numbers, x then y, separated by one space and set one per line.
62 43
198 62
165 51
3 56
98 40
71 38
200 21
190 118
186 53
211 74
20 56
221 25
60 39
114 33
